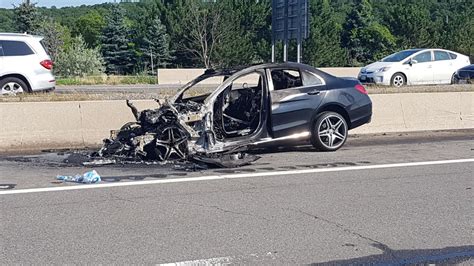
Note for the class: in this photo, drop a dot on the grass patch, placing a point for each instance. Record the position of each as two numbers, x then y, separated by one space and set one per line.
107 80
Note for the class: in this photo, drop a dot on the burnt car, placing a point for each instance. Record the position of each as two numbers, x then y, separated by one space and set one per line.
226 112
464 75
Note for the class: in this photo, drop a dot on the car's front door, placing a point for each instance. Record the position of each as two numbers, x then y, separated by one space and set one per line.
239 107
421 69
294 94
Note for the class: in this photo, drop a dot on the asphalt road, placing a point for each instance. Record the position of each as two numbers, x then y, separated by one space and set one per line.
388 199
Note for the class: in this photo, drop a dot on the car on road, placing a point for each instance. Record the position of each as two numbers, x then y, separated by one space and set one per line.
25 66
465 75
224 111
414 67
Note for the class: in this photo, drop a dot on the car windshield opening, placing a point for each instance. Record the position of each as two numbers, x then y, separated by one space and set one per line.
397 57
201 88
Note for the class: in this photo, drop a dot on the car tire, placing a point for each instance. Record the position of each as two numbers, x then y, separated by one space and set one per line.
12 85
398 80
454 79
329 131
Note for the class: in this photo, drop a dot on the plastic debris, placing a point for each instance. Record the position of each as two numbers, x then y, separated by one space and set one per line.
90 177
100 162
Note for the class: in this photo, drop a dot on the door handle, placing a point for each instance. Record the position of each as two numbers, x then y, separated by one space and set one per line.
430 66
313 92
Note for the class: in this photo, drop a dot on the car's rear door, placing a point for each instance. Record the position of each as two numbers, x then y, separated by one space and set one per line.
443 67
294 95
18 57
2 68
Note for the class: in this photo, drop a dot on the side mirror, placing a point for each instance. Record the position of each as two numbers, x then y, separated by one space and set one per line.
412 61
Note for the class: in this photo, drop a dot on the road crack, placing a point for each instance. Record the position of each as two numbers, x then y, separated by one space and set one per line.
221 209
374 243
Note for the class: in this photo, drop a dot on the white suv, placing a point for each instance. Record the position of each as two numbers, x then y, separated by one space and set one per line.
25 66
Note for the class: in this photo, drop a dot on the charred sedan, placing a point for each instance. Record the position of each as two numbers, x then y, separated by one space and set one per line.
222 113
464 75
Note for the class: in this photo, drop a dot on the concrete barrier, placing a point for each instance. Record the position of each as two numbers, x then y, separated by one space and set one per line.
406 112
46 125
184 75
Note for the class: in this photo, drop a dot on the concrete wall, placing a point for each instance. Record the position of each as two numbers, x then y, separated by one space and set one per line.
420 111
184 75
45 125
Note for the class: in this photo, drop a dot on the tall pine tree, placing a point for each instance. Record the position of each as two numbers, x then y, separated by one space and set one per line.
365 39
116 48
156 44
26 17
323 47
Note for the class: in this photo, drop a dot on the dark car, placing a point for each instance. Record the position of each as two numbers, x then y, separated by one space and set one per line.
226 111
464 75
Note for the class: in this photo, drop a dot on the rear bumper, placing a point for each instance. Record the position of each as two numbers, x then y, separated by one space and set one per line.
361 115
43 82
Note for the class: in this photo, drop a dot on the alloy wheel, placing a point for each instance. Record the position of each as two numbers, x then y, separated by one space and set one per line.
171 142
332 131
12 88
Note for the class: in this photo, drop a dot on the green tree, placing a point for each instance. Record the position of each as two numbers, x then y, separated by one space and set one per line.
26 17
156 44
363 37
79 60
6 20
247 38
323 47
56 36
116 47
411 23
90 26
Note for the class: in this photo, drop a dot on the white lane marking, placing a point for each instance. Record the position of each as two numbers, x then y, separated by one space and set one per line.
232 176
244 260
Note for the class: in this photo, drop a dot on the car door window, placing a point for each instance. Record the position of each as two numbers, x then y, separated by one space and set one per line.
440 55
453 56
16 48
286 79
423 57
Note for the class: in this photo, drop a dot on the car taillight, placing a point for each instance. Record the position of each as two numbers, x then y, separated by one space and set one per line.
48 64
361 89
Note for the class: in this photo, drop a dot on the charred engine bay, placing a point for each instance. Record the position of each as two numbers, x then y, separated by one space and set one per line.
169 134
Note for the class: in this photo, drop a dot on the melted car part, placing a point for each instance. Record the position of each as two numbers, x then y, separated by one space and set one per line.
227 160
157 135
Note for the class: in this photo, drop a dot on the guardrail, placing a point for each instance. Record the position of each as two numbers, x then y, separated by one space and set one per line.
48 125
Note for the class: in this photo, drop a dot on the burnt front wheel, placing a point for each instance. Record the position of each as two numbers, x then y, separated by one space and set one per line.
171 143
329 131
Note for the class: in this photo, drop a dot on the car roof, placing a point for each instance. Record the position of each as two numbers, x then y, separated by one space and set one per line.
18 36
233 70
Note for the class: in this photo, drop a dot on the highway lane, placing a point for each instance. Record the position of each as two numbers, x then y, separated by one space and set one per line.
413 213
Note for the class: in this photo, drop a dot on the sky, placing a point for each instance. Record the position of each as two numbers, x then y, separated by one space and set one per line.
57 3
